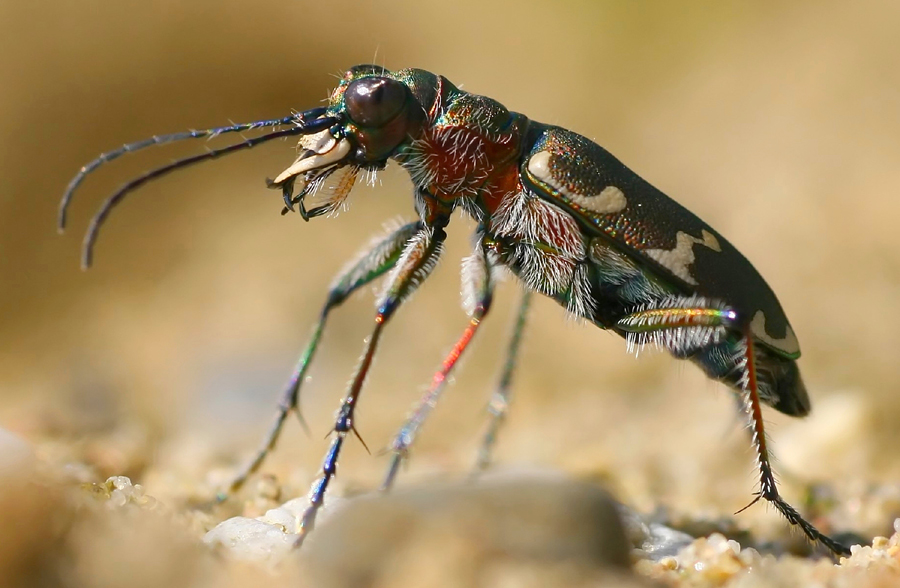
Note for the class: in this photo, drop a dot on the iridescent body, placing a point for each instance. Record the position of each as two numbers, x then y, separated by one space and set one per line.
554 208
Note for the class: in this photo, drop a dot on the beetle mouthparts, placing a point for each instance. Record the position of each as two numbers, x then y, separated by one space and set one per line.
322 153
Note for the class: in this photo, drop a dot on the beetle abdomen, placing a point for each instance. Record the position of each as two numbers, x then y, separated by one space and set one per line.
778 378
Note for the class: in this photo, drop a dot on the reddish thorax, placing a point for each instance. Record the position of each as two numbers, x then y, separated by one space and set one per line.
470 149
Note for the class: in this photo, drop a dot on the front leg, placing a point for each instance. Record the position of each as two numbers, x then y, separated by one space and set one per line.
379 257
416 263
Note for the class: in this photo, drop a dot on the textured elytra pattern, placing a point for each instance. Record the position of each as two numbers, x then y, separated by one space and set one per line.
680 259
651 222
607 201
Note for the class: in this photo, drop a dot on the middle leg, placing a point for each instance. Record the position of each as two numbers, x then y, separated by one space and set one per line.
479 290
499 404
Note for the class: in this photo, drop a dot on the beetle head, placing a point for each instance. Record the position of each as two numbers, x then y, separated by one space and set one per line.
371 115
377 113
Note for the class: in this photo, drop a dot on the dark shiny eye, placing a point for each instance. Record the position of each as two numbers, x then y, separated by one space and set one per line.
374 101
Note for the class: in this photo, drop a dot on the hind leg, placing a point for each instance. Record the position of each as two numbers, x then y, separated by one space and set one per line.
686 326
478 284
768 490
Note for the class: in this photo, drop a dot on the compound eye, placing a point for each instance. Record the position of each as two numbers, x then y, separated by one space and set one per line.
374 101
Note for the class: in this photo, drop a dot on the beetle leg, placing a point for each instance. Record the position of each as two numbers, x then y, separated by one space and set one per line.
415 264
379 257
681 325
687 325
499 404
768 490
477 279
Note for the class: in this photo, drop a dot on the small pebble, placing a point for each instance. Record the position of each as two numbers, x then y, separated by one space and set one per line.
266 537
251 539
663 542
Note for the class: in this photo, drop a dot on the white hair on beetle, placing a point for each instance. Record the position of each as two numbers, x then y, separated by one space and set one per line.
378 248
525 217
476 278
679 340
418 245
581 303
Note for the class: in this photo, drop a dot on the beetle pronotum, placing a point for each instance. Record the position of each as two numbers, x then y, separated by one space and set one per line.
554 208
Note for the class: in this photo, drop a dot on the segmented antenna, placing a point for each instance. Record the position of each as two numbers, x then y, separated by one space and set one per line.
174 137
90 238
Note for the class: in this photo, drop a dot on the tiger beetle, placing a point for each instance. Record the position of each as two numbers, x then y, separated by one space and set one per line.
555 209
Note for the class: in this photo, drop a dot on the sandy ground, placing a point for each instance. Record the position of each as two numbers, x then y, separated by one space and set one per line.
776 124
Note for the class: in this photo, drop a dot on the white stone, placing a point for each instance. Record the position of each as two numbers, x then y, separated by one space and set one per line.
287 514
270 536
251 539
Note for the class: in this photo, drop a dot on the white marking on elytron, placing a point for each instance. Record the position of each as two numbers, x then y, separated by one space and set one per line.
610 200
678 259
306 163
321 142
788 343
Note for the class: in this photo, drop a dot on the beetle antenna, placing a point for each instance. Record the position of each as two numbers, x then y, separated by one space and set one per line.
172 138
90 238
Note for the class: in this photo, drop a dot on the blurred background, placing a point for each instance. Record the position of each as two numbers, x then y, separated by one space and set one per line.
775 122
